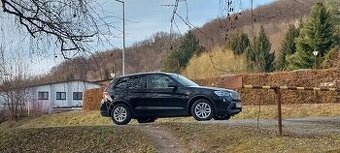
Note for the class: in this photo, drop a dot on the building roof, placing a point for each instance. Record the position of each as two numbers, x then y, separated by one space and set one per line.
55 82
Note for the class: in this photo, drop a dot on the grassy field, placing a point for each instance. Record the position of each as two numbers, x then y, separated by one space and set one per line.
206 138
88 131
74 139
248 112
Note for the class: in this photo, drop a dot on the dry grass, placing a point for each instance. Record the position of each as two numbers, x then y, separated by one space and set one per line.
270 111
88 132
202 67
71 132
92 118
291 110
74 139
226 138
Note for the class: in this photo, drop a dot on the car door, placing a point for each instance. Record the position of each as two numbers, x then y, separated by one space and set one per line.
165 100
139 96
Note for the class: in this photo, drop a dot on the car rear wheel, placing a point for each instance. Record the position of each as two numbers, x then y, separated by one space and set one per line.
121 114
202 110
146 120
222 117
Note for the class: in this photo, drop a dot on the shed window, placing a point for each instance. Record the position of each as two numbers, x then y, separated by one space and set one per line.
42 95
61 95
77 96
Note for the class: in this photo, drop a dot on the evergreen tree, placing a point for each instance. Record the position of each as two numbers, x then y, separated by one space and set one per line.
316 34
239 43
287 47
261 47
258 55
178 59
333 7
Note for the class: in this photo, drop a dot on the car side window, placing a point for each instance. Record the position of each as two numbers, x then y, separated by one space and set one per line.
121 83
136 82
159 81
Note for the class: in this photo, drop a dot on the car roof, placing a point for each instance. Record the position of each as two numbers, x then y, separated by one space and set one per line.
144 73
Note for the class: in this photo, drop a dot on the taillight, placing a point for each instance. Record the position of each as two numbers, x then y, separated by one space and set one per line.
105 95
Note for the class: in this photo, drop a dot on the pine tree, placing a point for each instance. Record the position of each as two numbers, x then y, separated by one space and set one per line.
179 59
333 7
264 60
316 34
287 48
239 43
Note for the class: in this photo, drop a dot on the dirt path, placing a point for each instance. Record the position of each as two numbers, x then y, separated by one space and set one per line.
164 141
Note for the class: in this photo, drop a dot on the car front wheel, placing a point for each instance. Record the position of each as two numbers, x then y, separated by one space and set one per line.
121 114
202 110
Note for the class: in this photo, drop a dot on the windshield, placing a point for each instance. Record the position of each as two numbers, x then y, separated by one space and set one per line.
183 80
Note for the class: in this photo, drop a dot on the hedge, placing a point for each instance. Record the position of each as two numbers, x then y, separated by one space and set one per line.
303 78
92 98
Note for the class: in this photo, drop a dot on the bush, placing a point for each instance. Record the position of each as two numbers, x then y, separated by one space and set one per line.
301 78
92 98
2 116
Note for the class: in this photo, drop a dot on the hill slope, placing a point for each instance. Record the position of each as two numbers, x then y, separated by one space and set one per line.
149 54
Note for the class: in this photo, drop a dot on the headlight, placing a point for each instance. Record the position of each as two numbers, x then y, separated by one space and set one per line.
233 95
222 93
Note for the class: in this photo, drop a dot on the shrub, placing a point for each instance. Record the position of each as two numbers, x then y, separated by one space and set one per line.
301 78
92 98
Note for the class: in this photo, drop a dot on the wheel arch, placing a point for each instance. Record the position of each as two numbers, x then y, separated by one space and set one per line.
197 97
120 102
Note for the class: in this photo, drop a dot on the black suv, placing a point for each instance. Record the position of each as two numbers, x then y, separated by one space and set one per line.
148 96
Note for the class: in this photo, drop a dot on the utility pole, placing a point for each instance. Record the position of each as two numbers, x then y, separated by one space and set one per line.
123 51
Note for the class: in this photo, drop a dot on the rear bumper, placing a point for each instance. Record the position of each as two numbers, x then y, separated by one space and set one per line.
104 109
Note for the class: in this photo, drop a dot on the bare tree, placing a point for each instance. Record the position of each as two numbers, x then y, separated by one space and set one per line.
70 23
14 97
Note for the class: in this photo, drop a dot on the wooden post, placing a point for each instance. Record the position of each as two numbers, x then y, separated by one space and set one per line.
279 111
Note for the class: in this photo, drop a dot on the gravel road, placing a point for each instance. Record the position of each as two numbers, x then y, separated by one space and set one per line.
306 125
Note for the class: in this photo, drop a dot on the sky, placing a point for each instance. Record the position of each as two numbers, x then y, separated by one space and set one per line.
143 19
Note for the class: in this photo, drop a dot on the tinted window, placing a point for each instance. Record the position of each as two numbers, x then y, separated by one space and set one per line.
136 82
159 81
183 80
133 82
121 83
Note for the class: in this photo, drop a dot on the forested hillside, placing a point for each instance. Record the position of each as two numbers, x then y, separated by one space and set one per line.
148 55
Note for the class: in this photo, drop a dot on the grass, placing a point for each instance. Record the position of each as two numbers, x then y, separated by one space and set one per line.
88 132
223 138
291 110
248 112
71 132
74 139
224 61
270 111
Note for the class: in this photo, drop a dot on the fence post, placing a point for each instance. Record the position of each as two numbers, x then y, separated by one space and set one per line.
279 111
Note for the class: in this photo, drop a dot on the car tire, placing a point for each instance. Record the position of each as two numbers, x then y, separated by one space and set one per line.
222 117
146 120
121 114
202 110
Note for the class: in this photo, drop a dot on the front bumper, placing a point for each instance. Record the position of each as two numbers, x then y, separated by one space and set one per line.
226 105
104 108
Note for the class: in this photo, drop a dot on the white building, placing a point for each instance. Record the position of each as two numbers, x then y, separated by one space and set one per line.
45 97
